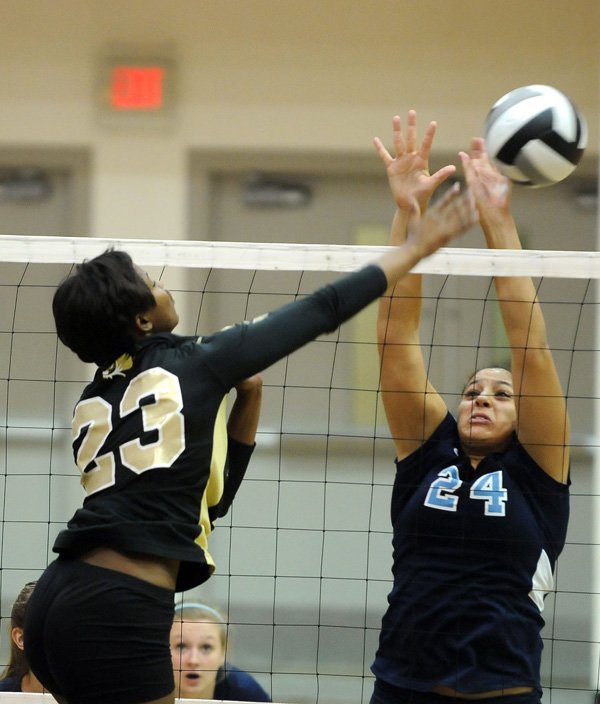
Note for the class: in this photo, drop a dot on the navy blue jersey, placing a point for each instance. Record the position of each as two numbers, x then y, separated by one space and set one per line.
235 685
10 684
474 556
149 434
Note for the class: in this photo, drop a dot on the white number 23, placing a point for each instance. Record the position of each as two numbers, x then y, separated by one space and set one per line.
161 412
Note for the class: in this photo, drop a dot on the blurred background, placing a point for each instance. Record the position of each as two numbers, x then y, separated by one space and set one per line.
260 84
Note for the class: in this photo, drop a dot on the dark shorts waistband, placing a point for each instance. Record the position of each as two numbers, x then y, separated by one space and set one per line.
385 693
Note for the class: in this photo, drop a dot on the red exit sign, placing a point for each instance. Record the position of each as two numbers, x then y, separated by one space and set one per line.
137 88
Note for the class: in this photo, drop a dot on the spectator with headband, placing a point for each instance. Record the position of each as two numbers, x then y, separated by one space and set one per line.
198 649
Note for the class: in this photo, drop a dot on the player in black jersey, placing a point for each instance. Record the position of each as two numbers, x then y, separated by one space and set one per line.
149 440
479 504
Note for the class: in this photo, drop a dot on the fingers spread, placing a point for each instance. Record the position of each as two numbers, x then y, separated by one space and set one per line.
382 151
397 133
428 140
411 131
442 174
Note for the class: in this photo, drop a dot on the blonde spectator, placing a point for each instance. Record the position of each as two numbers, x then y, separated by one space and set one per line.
198 648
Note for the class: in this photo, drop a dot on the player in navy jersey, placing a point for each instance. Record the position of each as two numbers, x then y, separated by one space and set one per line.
480 503
149 440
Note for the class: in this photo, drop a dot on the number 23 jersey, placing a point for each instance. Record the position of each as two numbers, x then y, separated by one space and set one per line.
150 440
149 434
474 556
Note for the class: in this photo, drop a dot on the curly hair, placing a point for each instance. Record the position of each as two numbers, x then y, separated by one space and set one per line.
95 308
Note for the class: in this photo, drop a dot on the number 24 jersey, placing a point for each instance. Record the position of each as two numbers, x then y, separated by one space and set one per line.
474 557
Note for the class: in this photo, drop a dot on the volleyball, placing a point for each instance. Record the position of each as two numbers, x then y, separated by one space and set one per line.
535 135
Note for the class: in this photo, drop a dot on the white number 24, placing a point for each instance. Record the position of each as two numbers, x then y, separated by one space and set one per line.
487 488
162 414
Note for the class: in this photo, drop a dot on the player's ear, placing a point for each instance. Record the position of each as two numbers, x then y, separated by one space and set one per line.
16 634
143 324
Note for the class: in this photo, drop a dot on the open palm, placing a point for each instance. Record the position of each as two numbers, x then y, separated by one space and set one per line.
408 172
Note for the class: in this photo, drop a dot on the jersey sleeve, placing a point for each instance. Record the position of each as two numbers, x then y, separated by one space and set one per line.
246 349
548 497
411 470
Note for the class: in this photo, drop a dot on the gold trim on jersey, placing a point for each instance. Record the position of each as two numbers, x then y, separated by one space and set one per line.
118 367
216 481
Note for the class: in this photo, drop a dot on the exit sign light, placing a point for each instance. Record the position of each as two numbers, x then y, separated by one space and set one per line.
137 88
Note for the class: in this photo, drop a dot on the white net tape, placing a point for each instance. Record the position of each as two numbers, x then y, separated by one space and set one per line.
299 257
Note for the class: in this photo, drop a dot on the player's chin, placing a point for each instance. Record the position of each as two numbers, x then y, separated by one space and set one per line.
477 438
468 430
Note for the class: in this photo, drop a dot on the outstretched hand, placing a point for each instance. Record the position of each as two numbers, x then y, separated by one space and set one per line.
452 215
408 172
492 190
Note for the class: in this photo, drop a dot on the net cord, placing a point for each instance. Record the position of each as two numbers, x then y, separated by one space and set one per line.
298 257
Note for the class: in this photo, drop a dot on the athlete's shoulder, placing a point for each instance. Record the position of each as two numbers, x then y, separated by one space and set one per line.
10 684
442 443
526 471
240 684
448 428
165 340
161 348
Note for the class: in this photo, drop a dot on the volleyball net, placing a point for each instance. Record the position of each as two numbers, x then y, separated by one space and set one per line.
304 556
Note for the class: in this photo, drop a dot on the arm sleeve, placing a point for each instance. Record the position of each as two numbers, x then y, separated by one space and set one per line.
243 350
238 458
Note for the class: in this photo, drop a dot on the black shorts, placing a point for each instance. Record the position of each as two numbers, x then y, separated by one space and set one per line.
94 635
384 693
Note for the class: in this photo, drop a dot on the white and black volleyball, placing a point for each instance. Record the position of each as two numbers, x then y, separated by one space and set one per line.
535 135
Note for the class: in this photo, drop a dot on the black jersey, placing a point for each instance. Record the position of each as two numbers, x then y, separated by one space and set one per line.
149 434
474 556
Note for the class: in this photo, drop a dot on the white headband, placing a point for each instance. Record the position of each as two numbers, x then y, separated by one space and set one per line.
202 607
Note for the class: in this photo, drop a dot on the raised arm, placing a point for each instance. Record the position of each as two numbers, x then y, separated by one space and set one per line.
413 408
240 351
542 420
242 423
